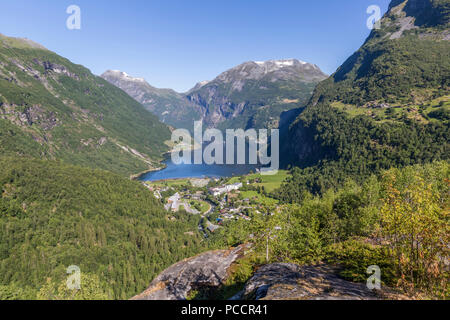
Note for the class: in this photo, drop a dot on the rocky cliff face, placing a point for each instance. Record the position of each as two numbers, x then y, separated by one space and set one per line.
251 95
171 107
255 93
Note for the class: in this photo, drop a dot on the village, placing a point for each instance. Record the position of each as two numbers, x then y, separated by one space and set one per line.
217 201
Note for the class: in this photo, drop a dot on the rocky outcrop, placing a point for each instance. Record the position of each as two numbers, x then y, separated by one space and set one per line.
206 270
26 117
277 281
57 68
288 281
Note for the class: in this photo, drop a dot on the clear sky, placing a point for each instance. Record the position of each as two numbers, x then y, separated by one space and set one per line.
176 43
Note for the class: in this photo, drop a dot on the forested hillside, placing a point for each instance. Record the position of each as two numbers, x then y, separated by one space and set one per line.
398 221
53 215
388 105
53 109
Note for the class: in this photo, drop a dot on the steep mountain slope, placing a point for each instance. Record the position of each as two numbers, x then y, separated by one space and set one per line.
406 61
53 109
171 107
387 105
254 94
54 215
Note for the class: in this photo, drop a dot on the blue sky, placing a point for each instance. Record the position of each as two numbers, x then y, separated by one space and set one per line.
176 43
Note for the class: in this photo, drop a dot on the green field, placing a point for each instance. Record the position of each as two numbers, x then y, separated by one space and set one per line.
170 183
256 196
270 183
436 110
202 205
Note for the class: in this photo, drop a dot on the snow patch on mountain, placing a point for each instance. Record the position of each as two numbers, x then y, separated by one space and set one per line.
125 76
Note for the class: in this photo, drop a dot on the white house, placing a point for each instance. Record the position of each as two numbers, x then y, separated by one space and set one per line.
173 203
228 188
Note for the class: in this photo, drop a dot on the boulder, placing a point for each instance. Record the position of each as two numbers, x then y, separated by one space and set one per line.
206 270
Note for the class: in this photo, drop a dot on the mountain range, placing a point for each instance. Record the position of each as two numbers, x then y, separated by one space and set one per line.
251 95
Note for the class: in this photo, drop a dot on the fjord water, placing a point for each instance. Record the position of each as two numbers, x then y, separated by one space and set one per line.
173 171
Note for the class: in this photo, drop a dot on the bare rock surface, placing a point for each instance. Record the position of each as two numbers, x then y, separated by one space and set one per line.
209 269
277 281
287 281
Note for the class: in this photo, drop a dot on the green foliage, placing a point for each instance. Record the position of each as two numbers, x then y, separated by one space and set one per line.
90 289
235 233
357 147
334 137
355 256
397 221
303 240
13 141
389 71
415 223
16 292
53 215
239 273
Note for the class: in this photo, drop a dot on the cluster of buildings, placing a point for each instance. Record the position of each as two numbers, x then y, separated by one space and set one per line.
216 192
229 206
176 201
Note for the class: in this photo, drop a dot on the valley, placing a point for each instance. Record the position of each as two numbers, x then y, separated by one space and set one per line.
359 209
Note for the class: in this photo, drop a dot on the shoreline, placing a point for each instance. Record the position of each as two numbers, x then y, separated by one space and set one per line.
178 179
137 176
187 178
166 157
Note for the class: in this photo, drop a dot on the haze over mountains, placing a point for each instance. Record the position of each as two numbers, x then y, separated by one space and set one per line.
251 95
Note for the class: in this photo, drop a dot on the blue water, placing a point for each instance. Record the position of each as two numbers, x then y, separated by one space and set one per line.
173 171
